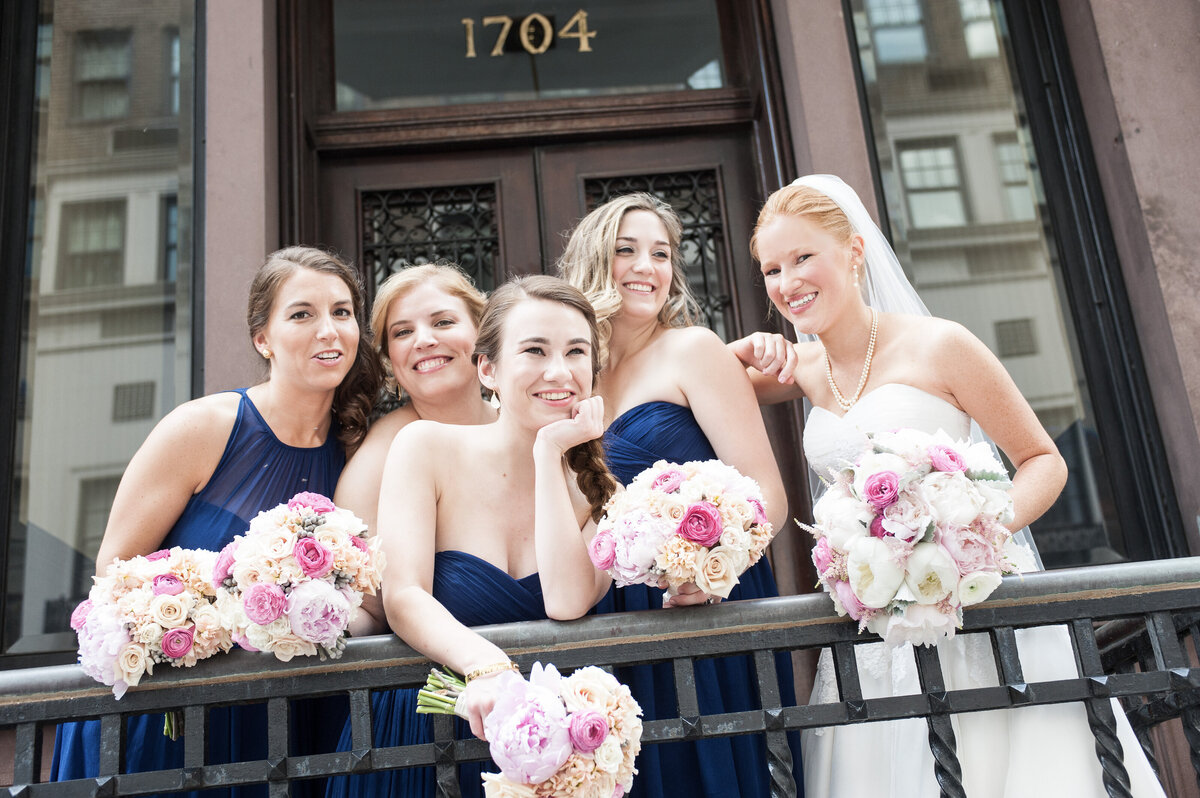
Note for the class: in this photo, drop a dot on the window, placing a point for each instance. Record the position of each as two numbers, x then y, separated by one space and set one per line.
95 501
1015 337
979 31
92 252
173 72
1014 174
897 30
170 238
933 184
133 401
102 70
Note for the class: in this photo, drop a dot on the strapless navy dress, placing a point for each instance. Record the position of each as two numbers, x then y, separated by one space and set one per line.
476 593
257 471
717 768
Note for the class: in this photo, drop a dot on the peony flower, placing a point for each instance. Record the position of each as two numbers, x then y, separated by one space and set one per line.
224 564
638 538
315 560
701 524
952 498
602 549
161 554
971 552
527 732
177 642
847 603
977 586
841 517
264 603
874 573
932 574
318 613
945 458
668 481
908 518
588 729
822 555
997 501
716 575
882 488
167 585
80 613
919 624
313 501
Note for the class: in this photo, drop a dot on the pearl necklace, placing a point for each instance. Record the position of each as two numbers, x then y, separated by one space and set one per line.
866 370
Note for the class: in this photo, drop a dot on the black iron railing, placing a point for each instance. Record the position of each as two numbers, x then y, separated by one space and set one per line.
1128 627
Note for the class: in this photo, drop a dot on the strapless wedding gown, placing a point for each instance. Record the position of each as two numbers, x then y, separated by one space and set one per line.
1013 753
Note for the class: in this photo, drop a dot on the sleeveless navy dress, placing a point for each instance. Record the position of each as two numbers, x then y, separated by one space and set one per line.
256 472
717 768
476 593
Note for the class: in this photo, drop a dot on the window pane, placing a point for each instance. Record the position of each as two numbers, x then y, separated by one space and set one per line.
968 206
899 45
403 53
105 343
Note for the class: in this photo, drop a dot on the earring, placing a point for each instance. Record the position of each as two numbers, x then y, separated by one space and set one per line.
266 352
855 270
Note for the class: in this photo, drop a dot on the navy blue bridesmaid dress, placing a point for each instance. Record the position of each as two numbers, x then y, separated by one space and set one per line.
716 768
257 471
476 593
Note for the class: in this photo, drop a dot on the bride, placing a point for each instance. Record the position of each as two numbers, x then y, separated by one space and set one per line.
870 359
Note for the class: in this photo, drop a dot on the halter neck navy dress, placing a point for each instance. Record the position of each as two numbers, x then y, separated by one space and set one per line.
476 593
257 471
717 768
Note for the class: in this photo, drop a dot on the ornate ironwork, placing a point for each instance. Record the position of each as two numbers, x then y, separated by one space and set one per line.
696 197
1158 604
422 225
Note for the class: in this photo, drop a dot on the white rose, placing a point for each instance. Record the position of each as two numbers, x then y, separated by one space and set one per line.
132 661
149 633
975 587
169 611
608 756
874 572
716 575
588 688
932 573
841 517
952 498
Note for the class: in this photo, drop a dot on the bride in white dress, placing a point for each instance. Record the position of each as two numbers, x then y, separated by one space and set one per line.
870 359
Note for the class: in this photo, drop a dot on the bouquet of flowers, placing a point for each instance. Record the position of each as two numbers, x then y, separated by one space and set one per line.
700 522
293 582
553 736
913 532
146 611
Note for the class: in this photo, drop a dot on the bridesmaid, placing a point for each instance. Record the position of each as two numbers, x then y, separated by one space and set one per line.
424 322
489 524
213 463
672 391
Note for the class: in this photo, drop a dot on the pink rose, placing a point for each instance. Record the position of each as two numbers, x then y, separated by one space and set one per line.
161 554
603 549
877 530
850 603
822 555
264 603
760 510
167 585
945 458
360 544
313 501
178 641
318 612
80 614
315 560
224 564
588 730
668 481
701 524
882 488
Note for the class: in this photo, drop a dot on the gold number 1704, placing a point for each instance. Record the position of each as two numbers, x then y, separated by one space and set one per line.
576 28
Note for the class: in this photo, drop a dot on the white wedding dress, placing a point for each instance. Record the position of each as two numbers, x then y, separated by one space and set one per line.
1013 753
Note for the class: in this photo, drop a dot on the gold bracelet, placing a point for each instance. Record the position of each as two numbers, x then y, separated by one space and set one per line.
488 670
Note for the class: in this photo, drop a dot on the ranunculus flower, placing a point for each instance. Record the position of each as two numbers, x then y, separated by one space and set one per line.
313 501
602 549
318 613
224 564
588 729
850 603
932 573
360 543
80 613
178 641
873 463
315 560
668 481
977 586
874 573
161 554
528 734
167 585
822 555
945 458
264 603
717 576
701 524
882 488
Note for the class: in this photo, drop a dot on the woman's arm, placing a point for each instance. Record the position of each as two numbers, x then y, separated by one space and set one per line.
770 360
571 585
984 389
176 460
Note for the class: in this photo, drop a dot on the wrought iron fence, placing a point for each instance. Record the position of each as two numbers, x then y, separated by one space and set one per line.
1128 626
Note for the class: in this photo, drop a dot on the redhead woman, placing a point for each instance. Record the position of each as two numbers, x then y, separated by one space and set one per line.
213 463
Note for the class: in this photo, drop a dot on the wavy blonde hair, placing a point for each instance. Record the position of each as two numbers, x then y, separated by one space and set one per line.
587 261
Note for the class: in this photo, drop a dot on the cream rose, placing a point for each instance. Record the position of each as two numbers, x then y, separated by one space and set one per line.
873 571
169 611
587 688
717 575
932 573
608 756
132 661
496 786
977 586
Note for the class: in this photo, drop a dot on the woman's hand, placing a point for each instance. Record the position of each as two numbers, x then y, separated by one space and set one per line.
478 699
586 424
687 595
769 353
